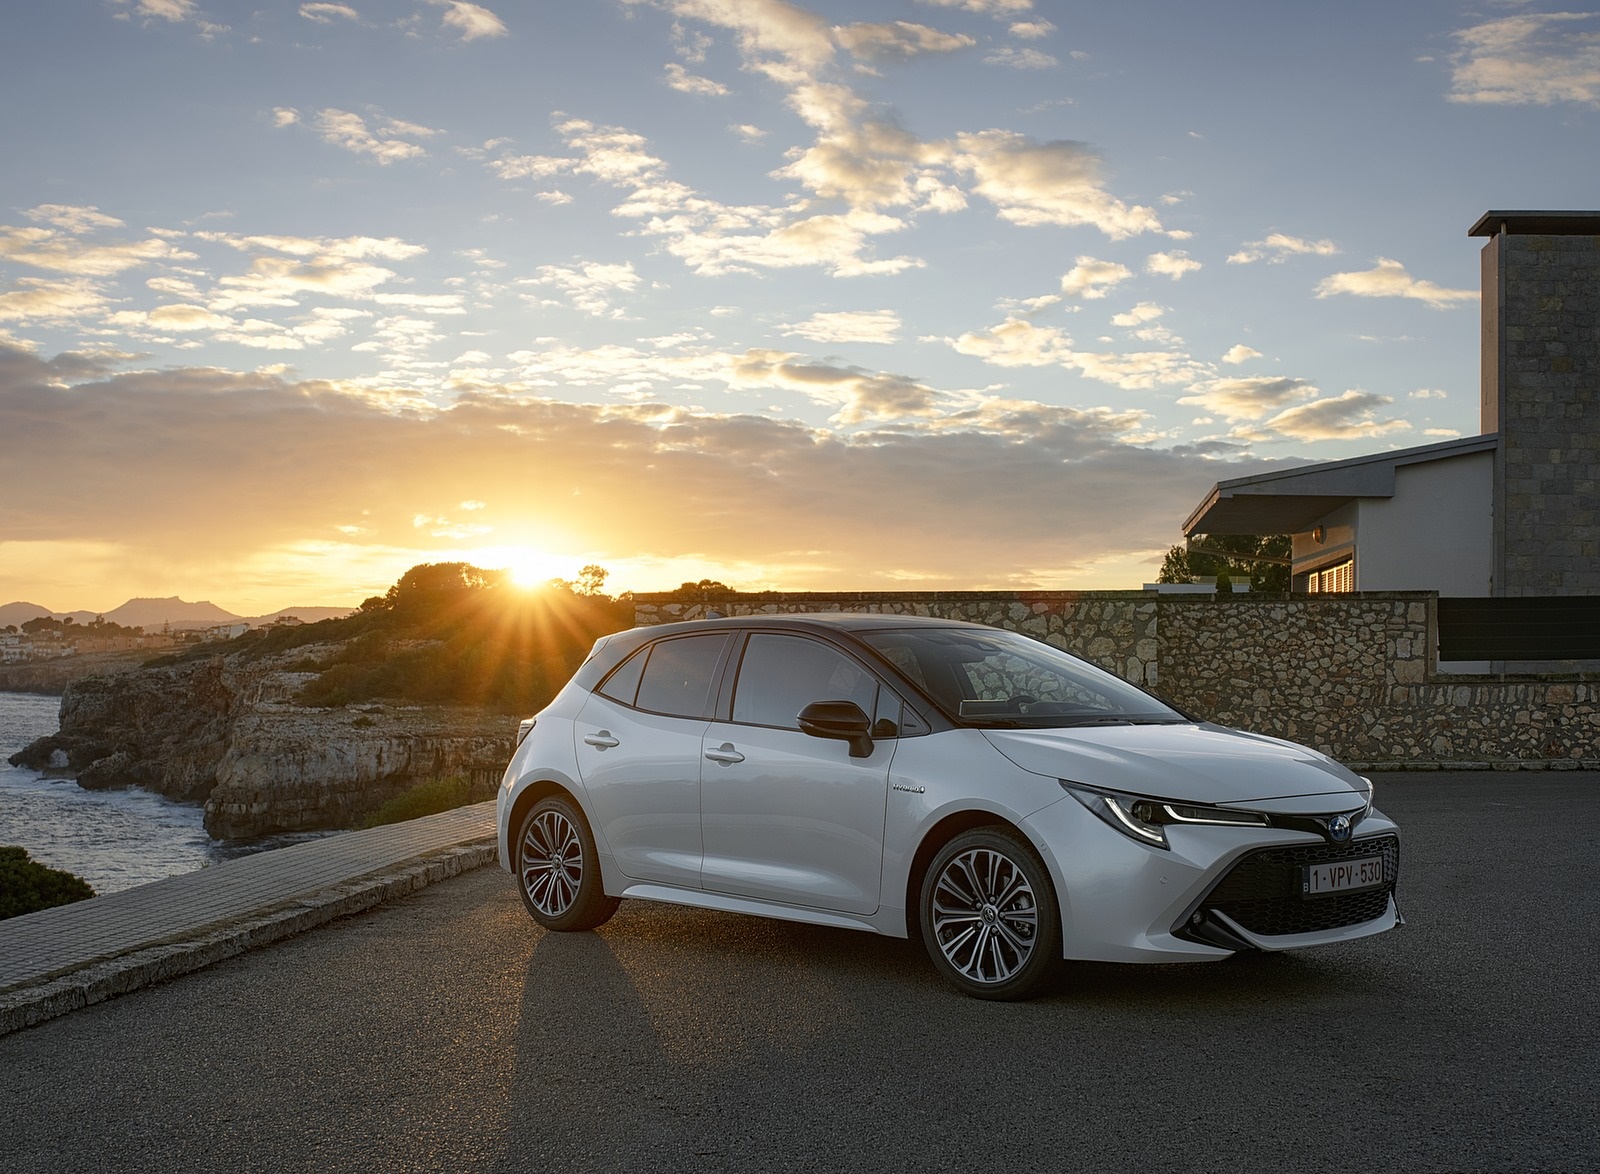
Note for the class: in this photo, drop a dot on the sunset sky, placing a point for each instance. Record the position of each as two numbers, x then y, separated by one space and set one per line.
842 295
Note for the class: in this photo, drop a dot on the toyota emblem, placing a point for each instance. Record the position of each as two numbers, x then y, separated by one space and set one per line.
1339 829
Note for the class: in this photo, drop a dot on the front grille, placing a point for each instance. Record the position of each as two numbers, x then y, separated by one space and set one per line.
1261 892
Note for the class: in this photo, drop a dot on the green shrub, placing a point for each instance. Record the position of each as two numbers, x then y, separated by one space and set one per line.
429 797
27 886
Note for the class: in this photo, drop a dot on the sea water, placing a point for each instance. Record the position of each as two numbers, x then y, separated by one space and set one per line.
112 839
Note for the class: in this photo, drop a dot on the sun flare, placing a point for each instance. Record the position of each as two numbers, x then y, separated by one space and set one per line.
528 567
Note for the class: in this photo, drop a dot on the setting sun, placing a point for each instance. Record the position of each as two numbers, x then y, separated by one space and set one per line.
528 567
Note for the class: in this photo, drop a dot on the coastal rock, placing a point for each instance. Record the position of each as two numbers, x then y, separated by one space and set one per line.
226 734
288 768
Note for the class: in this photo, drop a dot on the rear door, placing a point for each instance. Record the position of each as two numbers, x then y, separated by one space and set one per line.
638 741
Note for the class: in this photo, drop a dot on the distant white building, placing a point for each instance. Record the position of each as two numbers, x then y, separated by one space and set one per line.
1417 519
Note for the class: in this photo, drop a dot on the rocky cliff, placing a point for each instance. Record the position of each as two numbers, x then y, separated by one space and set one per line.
226 733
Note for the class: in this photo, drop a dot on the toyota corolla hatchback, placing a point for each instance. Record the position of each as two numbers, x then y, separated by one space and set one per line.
1006 802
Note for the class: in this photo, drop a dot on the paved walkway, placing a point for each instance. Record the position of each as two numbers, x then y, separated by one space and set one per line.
56 960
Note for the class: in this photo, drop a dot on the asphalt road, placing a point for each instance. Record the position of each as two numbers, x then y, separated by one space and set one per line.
446 1032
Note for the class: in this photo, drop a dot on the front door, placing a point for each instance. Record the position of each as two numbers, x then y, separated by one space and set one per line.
786 816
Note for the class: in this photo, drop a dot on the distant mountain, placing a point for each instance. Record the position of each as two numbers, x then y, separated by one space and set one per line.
151 614
172 612
19 613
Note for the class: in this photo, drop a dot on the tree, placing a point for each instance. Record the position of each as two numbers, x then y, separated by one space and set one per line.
704 589
1238 556
590 582
432 587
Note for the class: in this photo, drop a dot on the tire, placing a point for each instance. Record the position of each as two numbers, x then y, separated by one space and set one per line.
989 915
558 869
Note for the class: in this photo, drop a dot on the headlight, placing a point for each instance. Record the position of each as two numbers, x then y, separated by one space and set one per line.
1146 820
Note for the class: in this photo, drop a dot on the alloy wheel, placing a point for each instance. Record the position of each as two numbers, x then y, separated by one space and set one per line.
985 916
552 863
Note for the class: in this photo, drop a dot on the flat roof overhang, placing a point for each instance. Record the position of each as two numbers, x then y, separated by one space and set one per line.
1290 501
1537 223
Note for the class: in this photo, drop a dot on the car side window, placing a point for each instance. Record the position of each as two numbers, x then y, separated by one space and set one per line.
623 683
781 675
677 679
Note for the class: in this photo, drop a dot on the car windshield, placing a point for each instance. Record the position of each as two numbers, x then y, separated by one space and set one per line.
1000 678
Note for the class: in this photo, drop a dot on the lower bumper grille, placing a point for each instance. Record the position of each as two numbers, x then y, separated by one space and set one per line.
1262 891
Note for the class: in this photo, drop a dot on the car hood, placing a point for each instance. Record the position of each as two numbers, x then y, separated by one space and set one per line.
1201 763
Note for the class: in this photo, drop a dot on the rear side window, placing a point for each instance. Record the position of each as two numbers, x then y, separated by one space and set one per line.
678 677
623 683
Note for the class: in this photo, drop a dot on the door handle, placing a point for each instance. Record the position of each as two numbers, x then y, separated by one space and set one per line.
725 754
601 740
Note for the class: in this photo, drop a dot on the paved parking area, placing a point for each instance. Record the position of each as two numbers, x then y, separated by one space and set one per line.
58 959
447 1032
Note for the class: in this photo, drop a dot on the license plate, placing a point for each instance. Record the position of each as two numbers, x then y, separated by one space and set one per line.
1347 876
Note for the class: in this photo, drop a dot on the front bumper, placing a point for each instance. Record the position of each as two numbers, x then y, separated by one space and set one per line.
1123 901
1257 903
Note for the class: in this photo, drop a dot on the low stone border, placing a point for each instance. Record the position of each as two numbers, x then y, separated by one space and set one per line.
106 979
1529 764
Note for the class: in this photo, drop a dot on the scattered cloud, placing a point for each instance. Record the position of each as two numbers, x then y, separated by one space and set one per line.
1351 416
176 12
1174 264
62 249
36 299
897 40
1239 353
1090 278
1141 313
1429 393
1389 279
1031 30
592 286
326 13
176 316
1278 246
999 9
385 142
1056 183
284 269
1530 59
875 326
173 10
1248 399
1017 342
685 82
71 217
471 21
1014 58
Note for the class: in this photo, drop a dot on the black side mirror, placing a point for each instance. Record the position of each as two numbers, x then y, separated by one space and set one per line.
844 720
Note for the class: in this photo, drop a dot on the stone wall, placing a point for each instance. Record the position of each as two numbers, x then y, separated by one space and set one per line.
1352 675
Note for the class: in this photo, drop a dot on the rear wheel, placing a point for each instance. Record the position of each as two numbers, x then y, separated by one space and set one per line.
989 916
558 870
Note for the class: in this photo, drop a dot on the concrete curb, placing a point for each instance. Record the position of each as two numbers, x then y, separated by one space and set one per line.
105 979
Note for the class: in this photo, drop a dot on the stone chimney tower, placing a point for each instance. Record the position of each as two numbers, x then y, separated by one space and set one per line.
1541 391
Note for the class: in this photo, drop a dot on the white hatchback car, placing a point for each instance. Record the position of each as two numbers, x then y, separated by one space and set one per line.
1007 802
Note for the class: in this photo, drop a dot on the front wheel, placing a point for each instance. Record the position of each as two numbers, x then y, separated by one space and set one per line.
988 915
558 870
